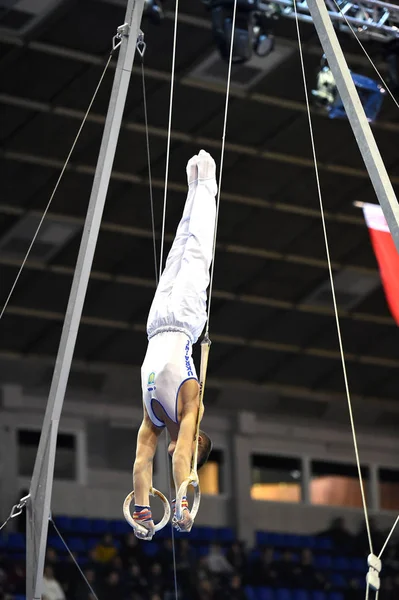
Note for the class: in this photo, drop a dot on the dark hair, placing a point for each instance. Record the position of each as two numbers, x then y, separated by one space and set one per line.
204 449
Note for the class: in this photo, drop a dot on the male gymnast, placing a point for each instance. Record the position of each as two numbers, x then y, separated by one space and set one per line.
176 319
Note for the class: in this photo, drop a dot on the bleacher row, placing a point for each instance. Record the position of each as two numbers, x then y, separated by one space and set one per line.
283 594
83 534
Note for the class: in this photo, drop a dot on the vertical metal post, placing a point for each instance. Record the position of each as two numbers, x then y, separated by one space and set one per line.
38 506
356 115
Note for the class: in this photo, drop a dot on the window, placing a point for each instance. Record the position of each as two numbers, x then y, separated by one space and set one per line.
336 484
210 475
389 489
65 458
276 478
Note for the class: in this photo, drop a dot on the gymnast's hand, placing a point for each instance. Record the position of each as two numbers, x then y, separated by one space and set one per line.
186 522
144 519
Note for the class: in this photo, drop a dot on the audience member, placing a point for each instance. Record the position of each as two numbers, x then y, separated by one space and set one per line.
52 589
237 558
306 576
106 550
339 535
263 571
235 590
112 588
217 562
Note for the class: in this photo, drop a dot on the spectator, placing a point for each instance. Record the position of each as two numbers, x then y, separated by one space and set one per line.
285 570
306 575
185 565
202 570
106 550
82 589
263 572
217 562
136 582
339 535
130 551
68 575
205 591
236 557
52 589
235 590
156 579
112 587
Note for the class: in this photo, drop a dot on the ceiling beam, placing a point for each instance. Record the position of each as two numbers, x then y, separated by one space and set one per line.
186 138
246 299
377 361
235 384
262 253
156 74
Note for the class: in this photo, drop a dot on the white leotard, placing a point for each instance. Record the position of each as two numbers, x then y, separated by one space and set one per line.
167 365
178 312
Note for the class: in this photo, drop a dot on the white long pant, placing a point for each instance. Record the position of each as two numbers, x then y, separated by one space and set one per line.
180 300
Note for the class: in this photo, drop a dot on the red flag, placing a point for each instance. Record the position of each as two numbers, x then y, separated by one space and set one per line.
386 253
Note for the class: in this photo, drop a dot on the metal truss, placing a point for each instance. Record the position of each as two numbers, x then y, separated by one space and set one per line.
371 19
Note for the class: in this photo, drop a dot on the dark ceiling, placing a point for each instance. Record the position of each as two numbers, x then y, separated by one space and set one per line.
272 320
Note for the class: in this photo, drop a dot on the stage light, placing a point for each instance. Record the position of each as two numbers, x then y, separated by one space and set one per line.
326 96
251 33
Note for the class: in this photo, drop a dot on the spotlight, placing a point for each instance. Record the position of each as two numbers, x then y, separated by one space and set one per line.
153 10
326 96
250 33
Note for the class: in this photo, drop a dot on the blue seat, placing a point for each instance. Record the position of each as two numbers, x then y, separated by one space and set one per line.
336 596
92 542
99 526
300 595
56 543
19 597
203 551
120 527
265 593
340 563
359 565
283 594
323 543
63 523
338 580
3 541
318 595
16 541
307 541
206 534
292 541
80 525
76 544
150 550
250 593
323 562
225 534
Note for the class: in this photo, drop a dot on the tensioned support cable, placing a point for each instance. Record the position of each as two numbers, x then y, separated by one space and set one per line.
115 46
372 63
336 313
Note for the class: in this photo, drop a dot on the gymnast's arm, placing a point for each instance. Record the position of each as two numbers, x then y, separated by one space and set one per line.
147 441
181 460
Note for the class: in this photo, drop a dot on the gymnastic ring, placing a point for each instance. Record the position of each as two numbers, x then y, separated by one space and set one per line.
136 526
183 492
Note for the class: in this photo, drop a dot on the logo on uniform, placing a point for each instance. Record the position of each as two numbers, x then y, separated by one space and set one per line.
187 361
150 382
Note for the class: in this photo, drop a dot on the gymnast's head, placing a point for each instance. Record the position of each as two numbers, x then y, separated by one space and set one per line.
204 448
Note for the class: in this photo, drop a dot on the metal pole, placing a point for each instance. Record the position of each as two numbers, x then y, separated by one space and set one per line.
38 505
356 115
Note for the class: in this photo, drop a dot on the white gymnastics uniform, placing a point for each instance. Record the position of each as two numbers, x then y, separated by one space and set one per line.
178 311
